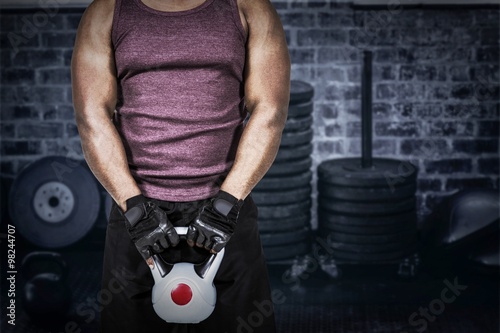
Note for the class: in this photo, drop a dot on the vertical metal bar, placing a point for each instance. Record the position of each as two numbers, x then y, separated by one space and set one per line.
366 111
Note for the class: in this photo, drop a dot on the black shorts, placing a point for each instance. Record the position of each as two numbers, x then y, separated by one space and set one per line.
242 283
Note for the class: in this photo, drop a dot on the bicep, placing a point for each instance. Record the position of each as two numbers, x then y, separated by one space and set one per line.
92 67
267 68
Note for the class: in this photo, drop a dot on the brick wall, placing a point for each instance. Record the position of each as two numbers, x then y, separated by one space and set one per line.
35 94
436 87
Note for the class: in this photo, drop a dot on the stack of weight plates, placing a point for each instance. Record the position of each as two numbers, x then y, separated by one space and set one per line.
367 214
284 194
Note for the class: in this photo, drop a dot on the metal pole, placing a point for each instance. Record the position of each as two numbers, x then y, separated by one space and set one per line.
366 111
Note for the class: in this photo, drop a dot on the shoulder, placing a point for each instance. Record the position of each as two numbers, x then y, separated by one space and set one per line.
94 30
102 8
253 10
99 15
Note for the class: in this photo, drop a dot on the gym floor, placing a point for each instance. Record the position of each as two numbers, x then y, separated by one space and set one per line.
364 299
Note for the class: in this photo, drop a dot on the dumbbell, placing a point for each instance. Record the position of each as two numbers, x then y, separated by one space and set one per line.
184 292
46 296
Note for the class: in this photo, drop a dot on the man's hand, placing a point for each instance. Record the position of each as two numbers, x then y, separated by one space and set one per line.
149 227
215 223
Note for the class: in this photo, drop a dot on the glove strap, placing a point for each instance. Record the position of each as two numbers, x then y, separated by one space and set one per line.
225 202
137 210
136 200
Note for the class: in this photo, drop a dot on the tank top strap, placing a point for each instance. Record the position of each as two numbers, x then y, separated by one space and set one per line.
116 19
235 15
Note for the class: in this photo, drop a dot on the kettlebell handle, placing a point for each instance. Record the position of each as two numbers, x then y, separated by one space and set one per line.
28 265
201 269
181 231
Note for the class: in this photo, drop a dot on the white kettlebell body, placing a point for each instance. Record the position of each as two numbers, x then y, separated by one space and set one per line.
184 292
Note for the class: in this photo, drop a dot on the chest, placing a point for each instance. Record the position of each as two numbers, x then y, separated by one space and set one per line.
210 40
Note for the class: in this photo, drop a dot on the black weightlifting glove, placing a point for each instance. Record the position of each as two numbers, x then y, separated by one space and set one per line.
148 226
215 223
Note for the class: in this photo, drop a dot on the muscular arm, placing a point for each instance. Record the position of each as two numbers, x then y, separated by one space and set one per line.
94 98
267 91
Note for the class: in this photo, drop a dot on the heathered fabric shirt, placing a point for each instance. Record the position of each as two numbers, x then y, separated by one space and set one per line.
181 106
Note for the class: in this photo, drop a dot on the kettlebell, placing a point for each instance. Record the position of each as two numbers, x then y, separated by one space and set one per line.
184 292
46 296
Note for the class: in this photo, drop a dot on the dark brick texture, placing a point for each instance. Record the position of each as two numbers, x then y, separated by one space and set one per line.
435 86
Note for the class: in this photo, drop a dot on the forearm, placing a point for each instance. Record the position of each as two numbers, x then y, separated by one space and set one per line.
257 150
104 152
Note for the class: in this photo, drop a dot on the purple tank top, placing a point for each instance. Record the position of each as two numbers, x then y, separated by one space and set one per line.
180 107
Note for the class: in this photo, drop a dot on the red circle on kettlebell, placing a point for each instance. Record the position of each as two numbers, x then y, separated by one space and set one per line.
181 294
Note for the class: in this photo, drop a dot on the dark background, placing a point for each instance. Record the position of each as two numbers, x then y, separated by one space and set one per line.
435 103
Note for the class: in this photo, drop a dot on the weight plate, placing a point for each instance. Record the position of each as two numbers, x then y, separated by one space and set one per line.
384 173
294 153
273 253
298 124
371 248
296 139
287 237
283 183
54 202
289 167
372 239
327 219
300 110
281 197
374 256
300 91
283 224
367 230
367 208
373 194
283 211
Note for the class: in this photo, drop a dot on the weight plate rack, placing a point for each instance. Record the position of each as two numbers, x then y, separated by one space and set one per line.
283 196
366 205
